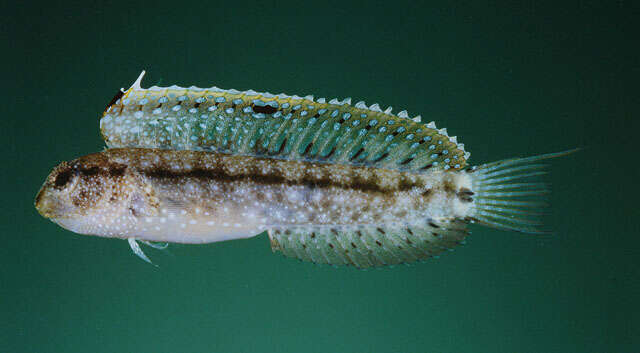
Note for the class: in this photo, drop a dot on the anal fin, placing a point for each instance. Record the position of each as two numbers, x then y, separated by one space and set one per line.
368 246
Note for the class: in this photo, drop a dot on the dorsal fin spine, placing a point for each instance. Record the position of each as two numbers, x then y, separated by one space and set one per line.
138 81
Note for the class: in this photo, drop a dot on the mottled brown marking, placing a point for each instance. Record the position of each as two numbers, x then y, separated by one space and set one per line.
465 195
275 177
117 170
466 192
63 177
278 197
206 166
89 171
449 186
81 198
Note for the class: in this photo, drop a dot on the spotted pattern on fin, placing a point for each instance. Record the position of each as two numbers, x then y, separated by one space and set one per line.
368 246
278 126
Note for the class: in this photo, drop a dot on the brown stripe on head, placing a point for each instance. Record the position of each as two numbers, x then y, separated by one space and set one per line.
79 187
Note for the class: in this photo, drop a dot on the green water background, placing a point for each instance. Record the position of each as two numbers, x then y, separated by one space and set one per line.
508 80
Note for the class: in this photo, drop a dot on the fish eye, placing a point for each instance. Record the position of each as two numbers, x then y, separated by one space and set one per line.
63 178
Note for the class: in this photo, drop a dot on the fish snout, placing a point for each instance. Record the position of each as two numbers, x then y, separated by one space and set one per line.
48 204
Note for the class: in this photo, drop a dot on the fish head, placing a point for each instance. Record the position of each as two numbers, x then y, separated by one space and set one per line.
83 194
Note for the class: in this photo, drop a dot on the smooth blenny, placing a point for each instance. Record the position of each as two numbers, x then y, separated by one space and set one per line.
329 181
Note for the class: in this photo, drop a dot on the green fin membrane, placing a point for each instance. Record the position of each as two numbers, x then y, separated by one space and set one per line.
276 126
505 196
364 247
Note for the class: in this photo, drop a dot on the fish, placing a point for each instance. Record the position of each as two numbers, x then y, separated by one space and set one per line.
329 181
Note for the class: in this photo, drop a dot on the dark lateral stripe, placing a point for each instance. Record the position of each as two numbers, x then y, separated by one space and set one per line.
272 179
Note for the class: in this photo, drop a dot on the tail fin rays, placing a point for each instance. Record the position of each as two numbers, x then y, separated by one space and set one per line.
503 204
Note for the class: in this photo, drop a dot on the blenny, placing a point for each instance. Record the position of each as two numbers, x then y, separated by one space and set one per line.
329 181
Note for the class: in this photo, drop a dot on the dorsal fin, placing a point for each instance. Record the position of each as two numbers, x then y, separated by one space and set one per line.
277 126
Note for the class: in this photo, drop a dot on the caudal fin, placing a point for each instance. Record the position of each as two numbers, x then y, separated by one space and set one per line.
507 196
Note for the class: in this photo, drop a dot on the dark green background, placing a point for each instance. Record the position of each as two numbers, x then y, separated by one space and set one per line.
509 80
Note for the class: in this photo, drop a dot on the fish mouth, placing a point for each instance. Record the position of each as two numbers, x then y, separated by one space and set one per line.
48 206
41 205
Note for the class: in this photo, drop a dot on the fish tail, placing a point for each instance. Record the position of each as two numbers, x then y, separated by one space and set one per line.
507 196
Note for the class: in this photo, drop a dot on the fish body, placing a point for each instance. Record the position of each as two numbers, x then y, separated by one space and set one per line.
330 182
